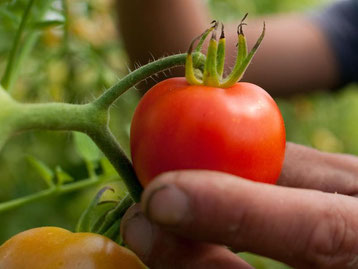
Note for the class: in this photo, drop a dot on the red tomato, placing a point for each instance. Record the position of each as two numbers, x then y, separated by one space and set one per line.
238 130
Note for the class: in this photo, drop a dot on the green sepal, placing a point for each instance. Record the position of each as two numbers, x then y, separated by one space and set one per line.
190 75
215 59
116 213
210 76
193 75
203 36
238 72
101 210
93 212
221 53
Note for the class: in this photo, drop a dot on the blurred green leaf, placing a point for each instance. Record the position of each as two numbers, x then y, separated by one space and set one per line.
42 169
62 177
7 15
46 24
5 1
86 147
107 167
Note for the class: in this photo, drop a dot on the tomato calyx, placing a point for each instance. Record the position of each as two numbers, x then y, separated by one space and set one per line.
212 74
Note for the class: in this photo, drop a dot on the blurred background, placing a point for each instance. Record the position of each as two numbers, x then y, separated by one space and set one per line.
76 57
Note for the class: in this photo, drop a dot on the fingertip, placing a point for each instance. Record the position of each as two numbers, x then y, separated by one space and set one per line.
137 231
164 202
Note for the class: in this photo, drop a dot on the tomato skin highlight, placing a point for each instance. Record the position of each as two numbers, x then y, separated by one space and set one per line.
56 248
237 130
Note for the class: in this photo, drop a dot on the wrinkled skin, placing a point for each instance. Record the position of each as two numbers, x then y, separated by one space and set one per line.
56 248
309 220
237 130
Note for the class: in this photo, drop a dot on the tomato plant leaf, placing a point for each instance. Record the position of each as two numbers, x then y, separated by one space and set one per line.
7 15
86 147
107 167
42 169
62 177
46 24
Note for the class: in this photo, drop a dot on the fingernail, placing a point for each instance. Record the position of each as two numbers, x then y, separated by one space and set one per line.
137 231
166 205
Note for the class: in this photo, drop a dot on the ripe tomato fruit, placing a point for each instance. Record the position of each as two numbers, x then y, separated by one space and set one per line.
238 130
205 121
56 248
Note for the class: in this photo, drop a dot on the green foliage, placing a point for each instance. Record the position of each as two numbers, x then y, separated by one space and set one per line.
63 64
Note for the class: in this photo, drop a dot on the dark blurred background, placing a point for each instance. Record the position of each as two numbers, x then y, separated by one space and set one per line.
77 61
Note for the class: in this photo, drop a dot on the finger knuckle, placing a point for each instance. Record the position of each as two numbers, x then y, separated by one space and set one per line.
332 240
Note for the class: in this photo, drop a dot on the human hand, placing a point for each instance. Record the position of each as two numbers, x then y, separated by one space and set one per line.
193 214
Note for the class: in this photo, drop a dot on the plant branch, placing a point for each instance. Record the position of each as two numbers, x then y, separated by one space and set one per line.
56 116
55 190
109 145
84 118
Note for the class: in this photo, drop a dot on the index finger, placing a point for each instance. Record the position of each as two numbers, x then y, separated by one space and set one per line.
309 168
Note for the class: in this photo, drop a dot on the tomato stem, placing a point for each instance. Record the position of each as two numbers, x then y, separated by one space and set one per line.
112 94
50 192
109 145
